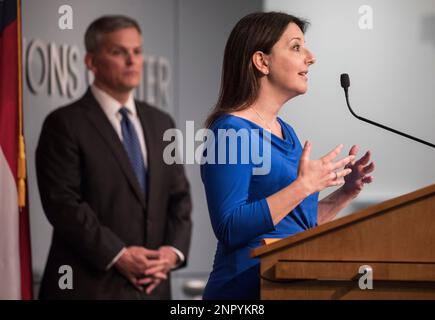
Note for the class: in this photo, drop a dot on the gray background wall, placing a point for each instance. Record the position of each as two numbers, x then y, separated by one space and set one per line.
392 75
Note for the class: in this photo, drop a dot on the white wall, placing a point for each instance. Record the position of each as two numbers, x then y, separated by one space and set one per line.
392 71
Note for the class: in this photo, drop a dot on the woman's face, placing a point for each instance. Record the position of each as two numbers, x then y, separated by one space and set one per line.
288 62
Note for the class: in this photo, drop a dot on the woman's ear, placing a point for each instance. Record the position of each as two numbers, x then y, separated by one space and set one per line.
260 61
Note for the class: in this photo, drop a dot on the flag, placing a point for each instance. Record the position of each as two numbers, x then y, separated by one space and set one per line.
15 255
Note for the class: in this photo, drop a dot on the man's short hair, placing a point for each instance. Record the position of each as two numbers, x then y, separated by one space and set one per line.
106 24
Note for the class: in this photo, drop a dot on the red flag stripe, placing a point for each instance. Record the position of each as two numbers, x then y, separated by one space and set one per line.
25 256
9 131
9 96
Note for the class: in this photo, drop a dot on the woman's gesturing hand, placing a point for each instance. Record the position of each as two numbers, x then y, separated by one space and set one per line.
317 175
354 183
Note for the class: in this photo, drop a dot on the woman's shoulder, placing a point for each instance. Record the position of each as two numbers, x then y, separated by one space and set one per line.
231 121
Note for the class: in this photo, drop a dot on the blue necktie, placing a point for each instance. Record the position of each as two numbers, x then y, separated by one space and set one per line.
132 146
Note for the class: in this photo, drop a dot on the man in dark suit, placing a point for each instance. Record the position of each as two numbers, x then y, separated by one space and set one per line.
120 214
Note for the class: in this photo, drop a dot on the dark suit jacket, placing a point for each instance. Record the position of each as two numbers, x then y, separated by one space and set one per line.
92 199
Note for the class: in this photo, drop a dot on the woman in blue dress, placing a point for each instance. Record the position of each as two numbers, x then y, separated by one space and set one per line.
265 65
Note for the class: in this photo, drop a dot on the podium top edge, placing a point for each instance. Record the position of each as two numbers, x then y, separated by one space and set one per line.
349 219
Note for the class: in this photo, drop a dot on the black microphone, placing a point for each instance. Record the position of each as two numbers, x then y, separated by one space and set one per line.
345 84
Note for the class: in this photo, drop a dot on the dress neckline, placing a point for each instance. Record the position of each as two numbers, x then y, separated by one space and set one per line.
285 133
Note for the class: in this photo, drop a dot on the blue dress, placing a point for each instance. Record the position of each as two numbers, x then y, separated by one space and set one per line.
237 204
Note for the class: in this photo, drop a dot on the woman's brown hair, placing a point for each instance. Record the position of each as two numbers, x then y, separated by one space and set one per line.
240 79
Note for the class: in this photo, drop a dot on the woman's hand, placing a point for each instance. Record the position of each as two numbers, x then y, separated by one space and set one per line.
317 175
354 182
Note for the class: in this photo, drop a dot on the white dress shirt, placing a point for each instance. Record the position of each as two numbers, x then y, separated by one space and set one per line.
111 108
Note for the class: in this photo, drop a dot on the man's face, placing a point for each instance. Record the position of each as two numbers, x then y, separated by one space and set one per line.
117 65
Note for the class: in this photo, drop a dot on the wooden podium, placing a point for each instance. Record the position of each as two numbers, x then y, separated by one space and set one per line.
395 238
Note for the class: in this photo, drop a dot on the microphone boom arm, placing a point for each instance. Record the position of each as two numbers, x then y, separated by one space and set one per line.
381 125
